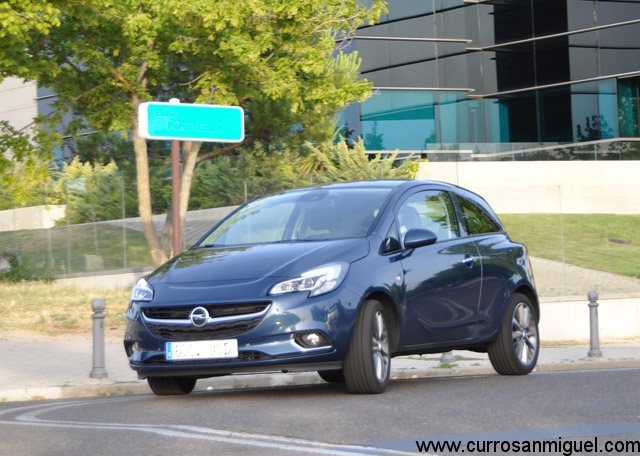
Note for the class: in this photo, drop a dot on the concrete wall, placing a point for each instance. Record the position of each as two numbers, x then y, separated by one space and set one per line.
580 187
569 320
30 218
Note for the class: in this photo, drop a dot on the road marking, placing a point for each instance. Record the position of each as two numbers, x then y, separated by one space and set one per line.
30 416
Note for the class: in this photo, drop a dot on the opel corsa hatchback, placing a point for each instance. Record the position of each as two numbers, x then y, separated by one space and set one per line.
337 279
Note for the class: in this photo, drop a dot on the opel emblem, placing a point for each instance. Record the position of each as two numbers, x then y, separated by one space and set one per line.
199 317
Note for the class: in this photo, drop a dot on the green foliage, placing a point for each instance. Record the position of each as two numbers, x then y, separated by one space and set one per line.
28 184
10 267
20 21
25 176
232 179
102 148
336 162
95 192
77 187
28 146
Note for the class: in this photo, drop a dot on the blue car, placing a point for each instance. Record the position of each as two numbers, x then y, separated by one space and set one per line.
337 279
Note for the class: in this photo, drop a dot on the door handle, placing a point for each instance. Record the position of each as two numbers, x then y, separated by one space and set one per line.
468 260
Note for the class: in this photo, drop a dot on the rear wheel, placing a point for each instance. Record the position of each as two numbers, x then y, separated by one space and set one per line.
332 376
515 351
171 386
367 365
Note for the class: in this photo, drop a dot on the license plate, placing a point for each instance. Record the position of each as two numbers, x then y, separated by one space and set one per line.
202 349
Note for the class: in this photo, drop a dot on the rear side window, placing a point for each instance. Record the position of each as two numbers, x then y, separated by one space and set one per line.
476 220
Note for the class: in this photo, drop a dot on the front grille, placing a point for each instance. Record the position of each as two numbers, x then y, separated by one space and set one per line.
175 332
226 320
215 310
242 356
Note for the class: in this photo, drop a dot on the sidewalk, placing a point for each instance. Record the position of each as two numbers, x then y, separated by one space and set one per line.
61 369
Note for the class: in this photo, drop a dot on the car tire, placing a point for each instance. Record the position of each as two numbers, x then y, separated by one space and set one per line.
515 351
332 376
171 386
367 365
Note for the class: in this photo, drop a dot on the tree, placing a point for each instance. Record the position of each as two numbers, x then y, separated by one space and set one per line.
24 165
20 22
275 58
337 162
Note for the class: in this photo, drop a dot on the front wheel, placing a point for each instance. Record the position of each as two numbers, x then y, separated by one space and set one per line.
367 365
515 351
171 386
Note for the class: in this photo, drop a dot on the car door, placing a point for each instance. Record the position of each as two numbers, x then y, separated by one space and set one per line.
499 256
442 281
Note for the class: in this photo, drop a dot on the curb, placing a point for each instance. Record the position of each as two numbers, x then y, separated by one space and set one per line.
107 388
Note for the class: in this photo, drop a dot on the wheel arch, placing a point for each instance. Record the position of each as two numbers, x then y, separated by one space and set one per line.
392 316
533 296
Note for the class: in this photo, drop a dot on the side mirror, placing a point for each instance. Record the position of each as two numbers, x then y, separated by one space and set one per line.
418 237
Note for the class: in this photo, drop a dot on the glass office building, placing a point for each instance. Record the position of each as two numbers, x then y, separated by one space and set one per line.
473 77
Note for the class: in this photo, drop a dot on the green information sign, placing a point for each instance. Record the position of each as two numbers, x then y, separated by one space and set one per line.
191 122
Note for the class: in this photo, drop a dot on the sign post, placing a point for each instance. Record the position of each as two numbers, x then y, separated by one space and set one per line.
177 122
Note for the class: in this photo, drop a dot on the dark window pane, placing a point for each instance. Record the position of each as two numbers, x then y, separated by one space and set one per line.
555 115
476 221
513 21
515 67
552 61
549 17
523 124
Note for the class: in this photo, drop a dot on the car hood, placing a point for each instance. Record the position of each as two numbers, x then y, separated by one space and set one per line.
233 265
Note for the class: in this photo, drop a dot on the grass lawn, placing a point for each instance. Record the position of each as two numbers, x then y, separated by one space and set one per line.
604 242
48 309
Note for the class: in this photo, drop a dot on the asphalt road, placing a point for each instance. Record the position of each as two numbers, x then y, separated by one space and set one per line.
570 408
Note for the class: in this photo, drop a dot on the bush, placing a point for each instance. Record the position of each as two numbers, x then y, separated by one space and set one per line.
12 269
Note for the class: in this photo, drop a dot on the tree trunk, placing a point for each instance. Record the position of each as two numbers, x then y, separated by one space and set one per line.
189 159
144 193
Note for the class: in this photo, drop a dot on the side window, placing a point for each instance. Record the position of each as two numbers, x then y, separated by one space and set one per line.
431 210
476 220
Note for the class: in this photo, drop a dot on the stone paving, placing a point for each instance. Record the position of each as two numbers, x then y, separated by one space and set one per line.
554 279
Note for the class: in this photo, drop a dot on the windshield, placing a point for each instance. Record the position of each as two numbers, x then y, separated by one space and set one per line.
307 215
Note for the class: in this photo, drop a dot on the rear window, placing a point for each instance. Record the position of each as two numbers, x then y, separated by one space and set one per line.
476 220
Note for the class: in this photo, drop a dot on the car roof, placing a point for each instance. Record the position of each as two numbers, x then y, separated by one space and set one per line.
382 183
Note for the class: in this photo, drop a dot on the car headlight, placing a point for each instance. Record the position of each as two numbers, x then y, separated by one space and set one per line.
316 281
142 291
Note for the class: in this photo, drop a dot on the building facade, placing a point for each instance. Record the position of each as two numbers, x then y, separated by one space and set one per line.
475 77
507 79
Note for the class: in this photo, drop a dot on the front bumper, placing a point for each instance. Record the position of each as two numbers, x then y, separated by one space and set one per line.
268 339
